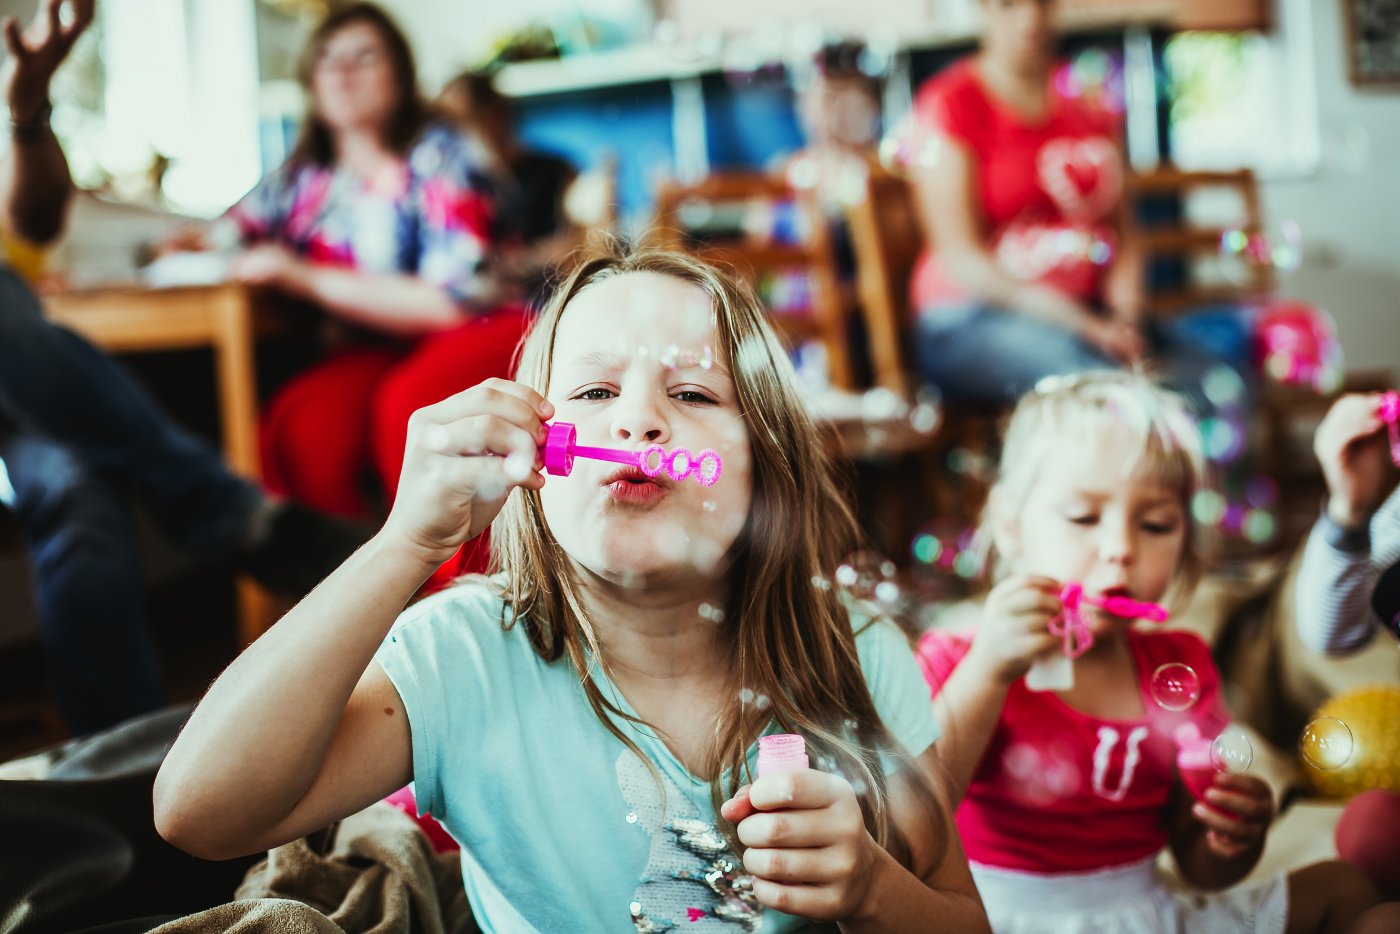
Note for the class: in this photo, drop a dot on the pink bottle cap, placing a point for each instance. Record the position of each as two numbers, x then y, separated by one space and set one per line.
781 752
559 449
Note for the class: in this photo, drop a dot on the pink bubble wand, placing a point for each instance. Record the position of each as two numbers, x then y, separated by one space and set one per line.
561 447
1056 673
1388 410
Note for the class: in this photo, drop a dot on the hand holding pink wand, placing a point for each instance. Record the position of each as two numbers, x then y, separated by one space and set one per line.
1055 673
561 447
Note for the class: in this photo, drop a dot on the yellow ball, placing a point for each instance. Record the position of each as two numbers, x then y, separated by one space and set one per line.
1352 743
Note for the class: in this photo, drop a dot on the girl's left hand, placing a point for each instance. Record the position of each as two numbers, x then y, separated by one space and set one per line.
1243 808
808 850
269 264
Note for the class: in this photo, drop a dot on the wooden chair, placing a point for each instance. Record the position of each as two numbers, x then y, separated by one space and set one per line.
1285 413
1187 244
733 194
888 238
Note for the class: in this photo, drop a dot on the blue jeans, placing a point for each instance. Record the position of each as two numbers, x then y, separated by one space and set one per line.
979 353
77 435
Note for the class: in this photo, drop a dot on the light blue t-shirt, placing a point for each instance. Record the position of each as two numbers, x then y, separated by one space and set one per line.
562 827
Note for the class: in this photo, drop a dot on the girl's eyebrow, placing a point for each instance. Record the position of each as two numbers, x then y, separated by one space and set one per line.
614 362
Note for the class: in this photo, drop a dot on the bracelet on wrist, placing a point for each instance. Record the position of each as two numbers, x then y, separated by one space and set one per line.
31 131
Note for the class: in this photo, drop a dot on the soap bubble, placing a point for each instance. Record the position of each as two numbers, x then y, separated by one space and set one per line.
712 613
862 573
1232 752
1259 526
1327 743
821 583
1175 686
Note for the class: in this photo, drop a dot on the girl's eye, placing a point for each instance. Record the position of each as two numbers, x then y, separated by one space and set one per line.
596 394
1084 520
1159 528
691 396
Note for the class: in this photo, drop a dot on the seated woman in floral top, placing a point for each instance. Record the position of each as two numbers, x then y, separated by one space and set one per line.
383 218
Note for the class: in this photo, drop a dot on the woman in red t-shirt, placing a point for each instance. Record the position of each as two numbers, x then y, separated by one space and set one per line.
1035 270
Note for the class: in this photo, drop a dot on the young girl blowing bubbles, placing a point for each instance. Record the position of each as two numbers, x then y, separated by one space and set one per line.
583 721
1065 798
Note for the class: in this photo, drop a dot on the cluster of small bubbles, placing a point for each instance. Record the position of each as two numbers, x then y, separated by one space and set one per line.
821 583
927 413
882 405
712 613
945 546
862 575
709 505
859 786
1281 249
746 696
1175 686
967 463
707 358
761 702
1222 440
1327 743
909 145
1232 752
1093 77
1251 518
670 356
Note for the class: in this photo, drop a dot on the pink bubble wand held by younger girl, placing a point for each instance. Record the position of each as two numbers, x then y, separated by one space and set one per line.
1056 673
561 447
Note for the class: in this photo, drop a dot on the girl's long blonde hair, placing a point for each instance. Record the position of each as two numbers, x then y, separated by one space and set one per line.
792 638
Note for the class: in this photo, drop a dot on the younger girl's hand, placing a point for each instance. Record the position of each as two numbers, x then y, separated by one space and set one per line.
1238 810
1015 627
463 457
808 850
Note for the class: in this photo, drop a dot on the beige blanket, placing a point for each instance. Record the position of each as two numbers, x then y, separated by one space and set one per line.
373 872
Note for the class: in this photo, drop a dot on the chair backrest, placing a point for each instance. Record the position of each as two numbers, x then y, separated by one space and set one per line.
709 218
1195 247
887 238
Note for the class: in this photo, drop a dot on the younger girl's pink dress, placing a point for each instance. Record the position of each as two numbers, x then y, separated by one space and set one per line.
1066 813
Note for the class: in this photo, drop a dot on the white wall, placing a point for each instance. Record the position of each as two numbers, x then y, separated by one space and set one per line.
1349 208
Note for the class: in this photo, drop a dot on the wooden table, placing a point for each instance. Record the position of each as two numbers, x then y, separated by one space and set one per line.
224 318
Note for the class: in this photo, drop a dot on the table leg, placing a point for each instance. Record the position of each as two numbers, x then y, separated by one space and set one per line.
238 412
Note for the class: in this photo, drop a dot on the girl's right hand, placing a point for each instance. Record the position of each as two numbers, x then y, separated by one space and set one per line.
1015 626
463 457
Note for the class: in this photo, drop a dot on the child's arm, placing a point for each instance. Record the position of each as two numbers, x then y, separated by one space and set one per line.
1013 632
302 729
1216 846
1338 575
811 856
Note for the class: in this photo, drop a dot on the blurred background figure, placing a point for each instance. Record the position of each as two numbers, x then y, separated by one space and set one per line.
531 185
79 437
385 219
1034 268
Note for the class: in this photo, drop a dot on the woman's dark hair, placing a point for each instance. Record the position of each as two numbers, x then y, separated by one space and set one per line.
410 113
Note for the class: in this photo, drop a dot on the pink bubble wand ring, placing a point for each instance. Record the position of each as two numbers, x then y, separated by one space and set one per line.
1388 410
1056 673
561 447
